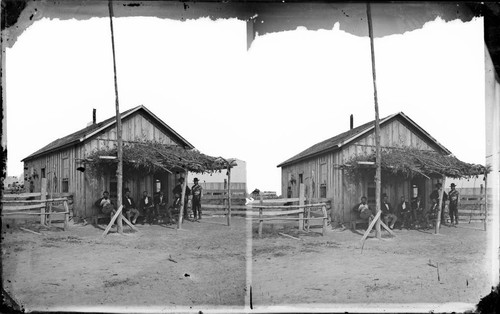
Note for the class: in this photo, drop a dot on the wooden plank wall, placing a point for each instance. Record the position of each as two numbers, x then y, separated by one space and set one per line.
344 193
87 190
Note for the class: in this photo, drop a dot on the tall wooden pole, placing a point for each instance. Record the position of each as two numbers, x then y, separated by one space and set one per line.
440 206
377 123
119 170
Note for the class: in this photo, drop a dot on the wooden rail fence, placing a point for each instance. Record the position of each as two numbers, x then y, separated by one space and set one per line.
268 213
25 205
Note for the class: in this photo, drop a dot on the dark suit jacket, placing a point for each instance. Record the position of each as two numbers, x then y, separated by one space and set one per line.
142 203
400 208
384 209
126 205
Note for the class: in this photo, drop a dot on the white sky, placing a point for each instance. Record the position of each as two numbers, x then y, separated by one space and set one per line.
288 92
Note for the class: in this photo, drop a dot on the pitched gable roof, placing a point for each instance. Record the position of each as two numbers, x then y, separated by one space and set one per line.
345 138
91 130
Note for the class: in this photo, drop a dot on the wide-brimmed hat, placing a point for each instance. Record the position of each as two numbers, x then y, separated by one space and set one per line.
196 179
453 184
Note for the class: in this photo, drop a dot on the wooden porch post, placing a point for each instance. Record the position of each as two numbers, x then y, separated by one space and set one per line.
183 196
440 205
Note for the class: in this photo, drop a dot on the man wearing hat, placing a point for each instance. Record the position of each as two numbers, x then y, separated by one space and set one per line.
454 197
196 201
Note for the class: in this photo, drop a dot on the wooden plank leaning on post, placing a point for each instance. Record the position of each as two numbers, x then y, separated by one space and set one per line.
43 196
118 213
367 232
301 203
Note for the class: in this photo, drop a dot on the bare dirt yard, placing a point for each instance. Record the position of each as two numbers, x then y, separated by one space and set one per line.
157 269
395 272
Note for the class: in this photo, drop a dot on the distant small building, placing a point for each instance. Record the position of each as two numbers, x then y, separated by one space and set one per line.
218 180
10 182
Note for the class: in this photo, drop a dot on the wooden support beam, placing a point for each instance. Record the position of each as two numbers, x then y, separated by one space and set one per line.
440 207
370 227
183 196
115 216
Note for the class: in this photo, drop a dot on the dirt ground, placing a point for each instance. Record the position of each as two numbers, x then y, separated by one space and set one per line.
317 270
78 269
204 266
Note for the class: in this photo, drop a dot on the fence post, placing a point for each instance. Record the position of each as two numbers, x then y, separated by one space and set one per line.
325 218
301 203
485 200
66 215
43 191
260 216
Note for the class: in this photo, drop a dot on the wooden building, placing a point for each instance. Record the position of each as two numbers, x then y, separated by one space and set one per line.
62 162
320 167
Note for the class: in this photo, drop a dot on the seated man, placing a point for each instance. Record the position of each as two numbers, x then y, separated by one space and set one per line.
363 210
161 205
147 207
106 205
430 215
129 208
388 213
404 209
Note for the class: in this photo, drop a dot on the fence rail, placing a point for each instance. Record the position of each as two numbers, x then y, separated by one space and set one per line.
22 205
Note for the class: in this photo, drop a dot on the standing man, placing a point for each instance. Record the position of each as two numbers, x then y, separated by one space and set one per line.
147 207
161 205
404 209
388 212
178 194
196 201
417 209
454 197
129 207
435 195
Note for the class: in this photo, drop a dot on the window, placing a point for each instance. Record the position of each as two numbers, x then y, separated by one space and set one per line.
42 172
113 188
65 175
371 194
157 185
322 191
301 178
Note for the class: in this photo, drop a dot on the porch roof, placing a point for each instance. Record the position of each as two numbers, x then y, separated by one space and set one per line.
411 162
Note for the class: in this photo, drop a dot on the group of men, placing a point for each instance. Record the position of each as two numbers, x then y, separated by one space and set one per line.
414 214
154 209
